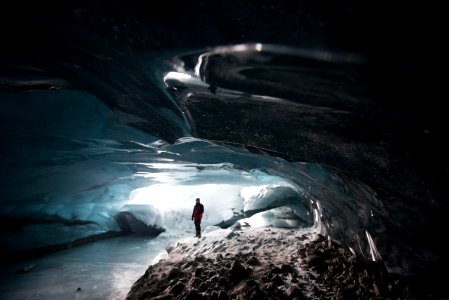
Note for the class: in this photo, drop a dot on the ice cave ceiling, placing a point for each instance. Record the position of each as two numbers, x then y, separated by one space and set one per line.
372 114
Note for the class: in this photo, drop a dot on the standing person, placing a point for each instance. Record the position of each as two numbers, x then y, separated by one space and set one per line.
197 215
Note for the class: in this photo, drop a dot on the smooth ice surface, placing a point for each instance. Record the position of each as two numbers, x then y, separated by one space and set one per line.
103 270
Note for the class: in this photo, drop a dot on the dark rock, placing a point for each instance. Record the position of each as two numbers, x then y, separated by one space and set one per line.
275 270
129 223
268 287
213 295
214 279
222 295
204 286
294 292
256 295
193 295
277 280
222 281
178 288
212 274
195 282
174 273
251 283
198 272
237 271
287 269
253 261
200 258
187 265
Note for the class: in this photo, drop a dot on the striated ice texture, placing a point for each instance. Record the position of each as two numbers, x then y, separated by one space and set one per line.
68 183
74 166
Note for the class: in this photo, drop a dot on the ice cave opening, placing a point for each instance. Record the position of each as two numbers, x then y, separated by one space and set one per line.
154 215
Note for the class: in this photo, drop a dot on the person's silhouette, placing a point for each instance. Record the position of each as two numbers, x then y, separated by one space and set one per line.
197 215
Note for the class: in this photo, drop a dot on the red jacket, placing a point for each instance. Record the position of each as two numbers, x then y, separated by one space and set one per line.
198 211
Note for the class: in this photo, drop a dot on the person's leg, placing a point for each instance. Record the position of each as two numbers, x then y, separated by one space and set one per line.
197 228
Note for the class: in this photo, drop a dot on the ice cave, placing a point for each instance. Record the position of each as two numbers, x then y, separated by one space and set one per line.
116 116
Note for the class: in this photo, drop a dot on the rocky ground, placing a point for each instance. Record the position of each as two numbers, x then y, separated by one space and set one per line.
267 263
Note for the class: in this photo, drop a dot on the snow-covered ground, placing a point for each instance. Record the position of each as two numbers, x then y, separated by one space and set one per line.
244 262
